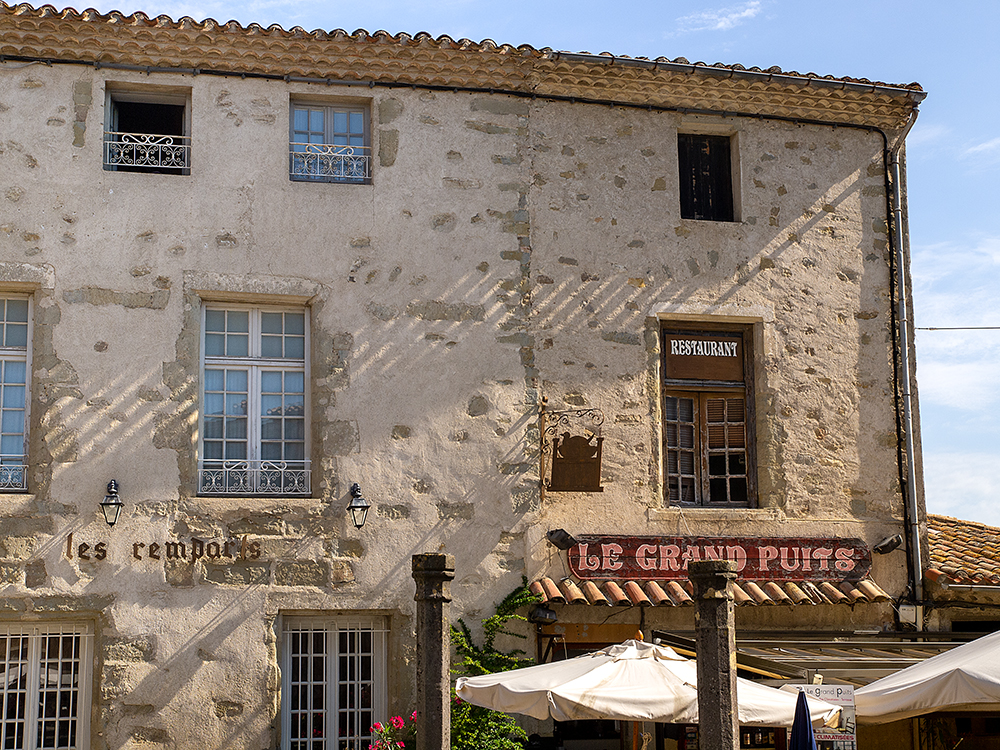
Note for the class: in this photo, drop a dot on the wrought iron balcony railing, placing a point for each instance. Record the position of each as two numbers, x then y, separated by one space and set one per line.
244 478
13 473
147 152
324 162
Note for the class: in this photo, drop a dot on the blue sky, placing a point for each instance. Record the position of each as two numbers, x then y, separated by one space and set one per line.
953 151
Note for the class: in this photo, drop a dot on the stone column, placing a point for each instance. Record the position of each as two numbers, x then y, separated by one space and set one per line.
433 575
718 719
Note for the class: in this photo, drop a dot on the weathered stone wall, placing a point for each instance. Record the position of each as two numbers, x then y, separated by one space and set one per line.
508 249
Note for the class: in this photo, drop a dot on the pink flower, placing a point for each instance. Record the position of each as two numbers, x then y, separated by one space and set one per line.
413 716
377 727
397 721
400 744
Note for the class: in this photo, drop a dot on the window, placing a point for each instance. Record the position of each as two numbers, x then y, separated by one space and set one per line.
707 418
45 686
14 337
147 132
329 144
706 181
253 428
333 685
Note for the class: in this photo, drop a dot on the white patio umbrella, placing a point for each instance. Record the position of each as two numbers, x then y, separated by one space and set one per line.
632 681
966 678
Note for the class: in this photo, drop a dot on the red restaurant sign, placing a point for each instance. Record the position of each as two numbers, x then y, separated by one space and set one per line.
757 559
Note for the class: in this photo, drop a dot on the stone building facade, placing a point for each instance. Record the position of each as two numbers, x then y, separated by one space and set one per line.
244 269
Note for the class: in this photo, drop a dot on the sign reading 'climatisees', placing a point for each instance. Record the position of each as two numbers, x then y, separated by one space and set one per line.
757 559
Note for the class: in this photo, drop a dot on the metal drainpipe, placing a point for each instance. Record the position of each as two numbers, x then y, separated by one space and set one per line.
904 355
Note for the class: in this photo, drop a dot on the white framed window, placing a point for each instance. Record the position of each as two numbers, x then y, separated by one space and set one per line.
147 130
254 431
333 681
45 675
15 333
329 143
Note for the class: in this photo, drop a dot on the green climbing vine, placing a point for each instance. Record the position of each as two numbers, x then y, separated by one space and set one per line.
474 727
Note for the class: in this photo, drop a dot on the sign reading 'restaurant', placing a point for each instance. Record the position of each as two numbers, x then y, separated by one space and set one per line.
757 559
703 356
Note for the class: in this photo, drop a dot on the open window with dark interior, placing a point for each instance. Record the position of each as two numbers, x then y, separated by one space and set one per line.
147 131
708 436
706 176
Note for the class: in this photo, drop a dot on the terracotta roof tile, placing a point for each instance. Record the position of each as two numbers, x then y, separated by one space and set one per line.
381 58
963 552
626 593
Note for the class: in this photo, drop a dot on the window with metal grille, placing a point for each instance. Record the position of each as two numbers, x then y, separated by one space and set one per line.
707 425
147 130
15 332
254 439
706 180
45 686
333 682
329 143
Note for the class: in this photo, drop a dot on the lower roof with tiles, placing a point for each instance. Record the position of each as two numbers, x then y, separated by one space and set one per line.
962 552
625 593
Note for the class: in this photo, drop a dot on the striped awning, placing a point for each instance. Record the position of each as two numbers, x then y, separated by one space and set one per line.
624 593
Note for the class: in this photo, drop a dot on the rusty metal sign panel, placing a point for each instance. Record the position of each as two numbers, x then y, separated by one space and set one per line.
757 559
572 443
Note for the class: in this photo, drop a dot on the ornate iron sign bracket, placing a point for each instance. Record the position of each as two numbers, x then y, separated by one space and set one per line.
571 445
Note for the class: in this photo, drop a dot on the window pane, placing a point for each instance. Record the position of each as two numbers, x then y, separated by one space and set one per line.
213 427
316 120
12 421
357 122
270 405
236 451
237 346
13 396
215 320
270 382
17 310
295 382
340 122
295 323
236 404
270 429
13 372
214 380
270 346
238 321
236 380
215 345
13 446
300 118
17 335
295 347
270 323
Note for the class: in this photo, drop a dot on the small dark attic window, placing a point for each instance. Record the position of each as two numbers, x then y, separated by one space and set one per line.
705 177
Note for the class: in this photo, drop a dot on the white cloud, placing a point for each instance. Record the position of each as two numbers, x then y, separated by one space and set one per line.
988 147
963 485
960 385
722 19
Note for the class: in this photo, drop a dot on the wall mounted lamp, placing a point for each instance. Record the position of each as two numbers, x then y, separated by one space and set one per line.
888 544
542 615
112 504
358 507
560 538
